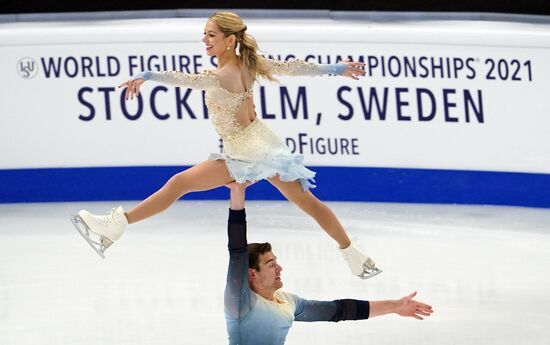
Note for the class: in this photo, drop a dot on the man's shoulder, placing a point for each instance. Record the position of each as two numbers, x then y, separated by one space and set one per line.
287 296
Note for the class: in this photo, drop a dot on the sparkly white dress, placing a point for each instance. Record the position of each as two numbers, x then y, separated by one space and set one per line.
253 152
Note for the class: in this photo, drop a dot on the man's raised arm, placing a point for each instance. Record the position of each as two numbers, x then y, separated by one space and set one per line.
237 292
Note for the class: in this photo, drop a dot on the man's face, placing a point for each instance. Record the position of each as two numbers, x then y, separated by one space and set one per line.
269 275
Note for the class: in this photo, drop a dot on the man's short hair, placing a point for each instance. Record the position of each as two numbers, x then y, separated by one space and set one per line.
254 252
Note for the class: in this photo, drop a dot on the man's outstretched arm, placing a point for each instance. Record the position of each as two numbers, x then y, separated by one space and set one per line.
350 309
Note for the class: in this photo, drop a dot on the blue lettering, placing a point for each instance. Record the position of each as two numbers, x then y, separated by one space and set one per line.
291 144
71 61
197 62
447 104
300 99
87 66
133 65
89 105
355 146
263 102
410 66
395 68
400 104
52 67
204 107
182 101
372 63
323 145
302 142
472 70
345 103
153 103
421 115
422 63
125 112
458 65
106 92
373 96
469 101
437 67
99 73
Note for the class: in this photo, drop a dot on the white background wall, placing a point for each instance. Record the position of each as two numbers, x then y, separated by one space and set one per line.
40 125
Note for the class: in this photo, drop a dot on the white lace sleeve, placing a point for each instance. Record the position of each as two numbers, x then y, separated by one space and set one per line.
203 80
301 67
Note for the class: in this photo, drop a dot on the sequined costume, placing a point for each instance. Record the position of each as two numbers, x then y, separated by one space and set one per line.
253 320
253 152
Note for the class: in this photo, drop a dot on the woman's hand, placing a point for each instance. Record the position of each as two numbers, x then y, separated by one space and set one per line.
353 69
132 87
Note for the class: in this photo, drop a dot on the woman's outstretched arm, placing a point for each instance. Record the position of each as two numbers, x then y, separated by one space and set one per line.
202 81
301 67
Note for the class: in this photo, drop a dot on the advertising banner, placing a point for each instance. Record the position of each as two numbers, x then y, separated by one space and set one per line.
445 96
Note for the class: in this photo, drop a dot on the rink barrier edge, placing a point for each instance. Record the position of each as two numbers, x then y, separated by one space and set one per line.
334 184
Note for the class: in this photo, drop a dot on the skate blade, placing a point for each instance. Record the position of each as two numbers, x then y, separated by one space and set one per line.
369 272
84 231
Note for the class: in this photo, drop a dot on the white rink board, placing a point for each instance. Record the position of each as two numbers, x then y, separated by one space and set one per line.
76 119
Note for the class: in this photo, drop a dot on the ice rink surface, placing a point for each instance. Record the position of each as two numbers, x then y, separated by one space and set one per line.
484 269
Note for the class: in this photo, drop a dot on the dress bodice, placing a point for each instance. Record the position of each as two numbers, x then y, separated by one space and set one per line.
223 104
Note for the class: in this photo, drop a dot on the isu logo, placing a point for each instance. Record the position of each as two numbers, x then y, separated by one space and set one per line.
27 68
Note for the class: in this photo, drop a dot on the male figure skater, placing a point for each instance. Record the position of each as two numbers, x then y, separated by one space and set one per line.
258 313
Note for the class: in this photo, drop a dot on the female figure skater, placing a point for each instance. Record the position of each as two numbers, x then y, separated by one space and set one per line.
251 150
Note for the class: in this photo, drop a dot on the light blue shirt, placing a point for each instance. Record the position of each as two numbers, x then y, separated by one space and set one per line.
254 320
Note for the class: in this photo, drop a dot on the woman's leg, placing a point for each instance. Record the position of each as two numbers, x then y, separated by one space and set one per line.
204 176
315 208
360 264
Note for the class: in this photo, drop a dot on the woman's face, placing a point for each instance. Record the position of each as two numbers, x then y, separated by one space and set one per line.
216 42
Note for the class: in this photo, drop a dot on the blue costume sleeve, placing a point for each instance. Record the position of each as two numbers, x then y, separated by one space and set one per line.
300 67
338 310
237 298
202 81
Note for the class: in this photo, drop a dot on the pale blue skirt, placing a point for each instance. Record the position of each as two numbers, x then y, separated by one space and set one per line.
289 167
256 153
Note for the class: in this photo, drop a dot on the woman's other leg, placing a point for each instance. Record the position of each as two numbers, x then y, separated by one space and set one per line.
359 263
322 214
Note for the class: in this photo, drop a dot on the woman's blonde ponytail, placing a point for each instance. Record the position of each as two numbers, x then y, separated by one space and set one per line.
231 24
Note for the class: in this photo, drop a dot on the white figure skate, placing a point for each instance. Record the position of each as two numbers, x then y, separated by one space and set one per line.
360 264
100 231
